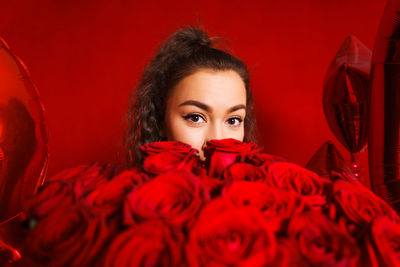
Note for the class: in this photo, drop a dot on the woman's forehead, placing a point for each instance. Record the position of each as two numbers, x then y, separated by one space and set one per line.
213 88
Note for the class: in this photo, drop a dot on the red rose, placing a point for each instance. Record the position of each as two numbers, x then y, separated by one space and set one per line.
359 204
213 185
231 145
85 178
110 196
320 242
71 173
260 159
169 161
220 154
291 254
167 146
283 256
244 172
151 243
292 177
276 205
53 195
68 237
370 256
386 235
225 235
176 197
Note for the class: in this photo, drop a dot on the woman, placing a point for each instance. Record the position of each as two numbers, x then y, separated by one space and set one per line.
190 92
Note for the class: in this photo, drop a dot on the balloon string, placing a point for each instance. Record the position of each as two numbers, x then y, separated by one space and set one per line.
10 219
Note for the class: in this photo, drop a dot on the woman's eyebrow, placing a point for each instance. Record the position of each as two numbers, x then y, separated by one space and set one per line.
237 107
197 104
208 108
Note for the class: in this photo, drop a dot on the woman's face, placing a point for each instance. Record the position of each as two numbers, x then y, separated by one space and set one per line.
206 105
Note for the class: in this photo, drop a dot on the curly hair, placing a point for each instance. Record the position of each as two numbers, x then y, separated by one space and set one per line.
186 51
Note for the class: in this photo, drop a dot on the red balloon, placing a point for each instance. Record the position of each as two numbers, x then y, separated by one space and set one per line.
23 135
346 94
384 132
328 163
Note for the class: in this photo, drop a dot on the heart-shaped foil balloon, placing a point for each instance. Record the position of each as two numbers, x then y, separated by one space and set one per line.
346 94
23 135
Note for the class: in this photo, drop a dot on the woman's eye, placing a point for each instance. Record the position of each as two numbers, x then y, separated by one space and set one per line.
194 118
234 121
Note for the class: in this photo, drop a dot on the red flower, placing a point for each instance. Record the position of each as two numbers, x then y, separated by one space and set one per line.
151 243
283 256
167 146
231 145
292 177
276 205
213 185
176 197
220 154
225 235
244 172
72 173
53 195
170 161
359 204
85 178
320 242
386 235
260 159
110 196
68 237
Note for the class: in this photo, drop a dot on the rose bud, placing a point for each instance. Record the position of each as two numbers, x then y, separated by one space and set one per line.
220 154
167 146
163 162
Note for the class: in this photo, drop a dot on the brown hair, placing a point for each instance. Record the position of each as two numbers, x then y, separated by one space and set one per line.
186 51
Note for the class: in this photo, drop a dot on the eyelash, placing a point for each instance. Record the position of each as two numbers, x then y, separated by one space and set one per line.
238 119
189 117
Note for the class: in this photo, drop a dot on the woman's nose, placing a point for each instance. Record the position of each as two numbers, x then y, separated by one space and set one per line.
214 132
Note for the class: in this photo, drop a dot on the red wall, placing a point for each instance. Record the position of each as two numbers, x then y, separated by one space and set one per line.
86 56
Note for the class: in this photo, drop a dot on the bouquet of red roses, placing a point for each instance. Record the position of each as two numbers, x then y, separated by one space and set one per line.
240 207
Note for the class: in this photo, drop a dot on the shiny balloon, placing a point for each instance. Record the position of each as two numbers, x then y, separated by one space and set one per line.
384 130
346 93
23 135
11 238
328 163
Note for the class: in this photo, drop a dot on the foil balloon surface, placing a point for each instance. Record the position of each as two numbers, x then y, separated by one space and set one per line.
23 135
328 163
384 132
346 93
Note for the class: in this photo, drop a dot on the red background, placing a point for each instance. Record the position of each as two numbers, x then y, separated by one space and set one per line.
85 57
